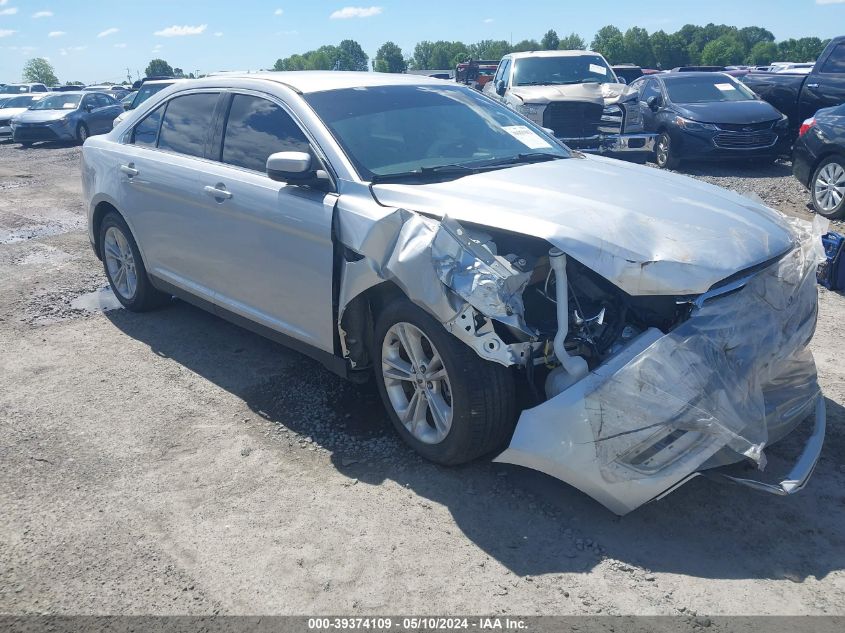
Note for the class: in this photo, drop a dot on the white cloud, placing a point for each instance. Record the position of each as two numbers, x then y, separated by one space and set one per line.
56 33
71 49
121 45
42 14
178 31
9 11
218 34
355 12
488 20
6 32
108 32
278 12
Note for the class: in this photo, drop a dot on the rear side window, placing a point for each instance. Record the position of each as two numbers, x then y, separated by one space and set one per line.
257 128
186 124
836 62
146 132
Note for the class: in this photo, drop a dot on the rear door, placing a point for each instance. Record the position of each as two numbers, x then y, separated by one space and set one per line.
273 250
826 87
161 168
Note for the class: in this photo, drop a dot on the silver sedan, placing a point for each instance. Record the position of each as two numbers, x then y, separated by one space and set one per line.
616 327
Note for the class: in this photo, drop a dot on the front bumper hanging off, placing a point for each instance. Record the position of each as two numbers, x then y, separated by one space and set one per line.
613 144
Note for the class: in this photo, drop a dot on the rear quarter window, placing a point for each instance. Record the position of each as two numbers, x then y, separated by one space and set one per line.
146 132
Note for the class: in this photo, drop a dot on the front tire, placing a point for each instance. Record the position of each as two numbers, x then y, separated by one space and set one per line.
446 402
82 133
664 154
827 188
124 267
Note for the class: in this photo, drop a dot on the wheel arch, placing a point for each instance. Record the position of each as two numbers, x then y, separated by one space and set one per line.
358 318
827 153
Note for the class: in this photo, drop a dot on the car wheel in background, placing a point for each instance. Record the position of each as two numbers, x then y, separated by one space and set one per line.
827 187
82 133
124 267
444 400
664 154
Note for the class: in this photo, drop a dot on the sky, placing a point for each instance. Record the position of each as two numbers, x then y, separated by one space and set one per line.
98 40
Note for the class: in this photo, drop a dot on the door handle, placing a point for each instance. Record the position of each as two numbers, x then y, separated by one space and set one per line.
129 170
812 85
218 192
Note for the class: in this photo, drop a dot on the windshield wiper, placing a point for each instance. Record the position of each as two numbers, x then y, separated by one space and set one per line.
531 157
425 172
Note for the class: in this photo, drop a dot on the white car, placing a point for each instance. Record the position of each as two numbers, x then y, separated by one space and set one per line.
16 105
622 329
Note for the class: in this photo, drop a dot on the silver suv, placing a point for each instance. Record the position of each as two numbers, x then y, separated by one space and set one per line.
648 326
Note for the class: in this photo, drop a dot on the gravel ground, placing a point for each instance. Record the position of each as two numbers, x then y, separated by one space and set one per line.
171 463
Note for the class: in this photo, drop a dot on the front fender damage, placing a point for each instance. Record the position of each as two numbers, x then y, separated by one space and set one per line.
660 403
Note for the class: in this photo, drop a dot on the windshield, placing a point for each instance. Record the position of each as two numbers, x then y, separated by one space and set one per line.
16 88
577 69
706 89
390 130
57 102
19 102
146 91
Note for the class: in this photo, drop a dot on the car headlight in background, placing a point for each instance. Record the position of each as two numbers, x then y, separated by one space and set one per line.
533 111
783 122
693 126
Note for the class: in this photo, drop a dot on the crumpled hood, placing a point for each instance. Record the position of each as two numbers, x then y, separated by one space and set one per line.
42 116
648 232
737 112
605 94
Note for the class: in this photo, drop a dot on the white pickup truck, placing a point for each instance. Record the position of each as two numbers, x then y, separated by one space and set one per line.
577 95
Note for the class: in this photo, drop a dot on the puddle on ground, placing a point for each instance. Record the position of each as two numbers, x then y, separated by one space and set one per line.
101 300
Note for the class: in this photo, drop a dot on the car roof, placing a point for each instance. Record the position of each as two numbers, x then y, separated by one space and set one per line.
573 53
306 81
680 76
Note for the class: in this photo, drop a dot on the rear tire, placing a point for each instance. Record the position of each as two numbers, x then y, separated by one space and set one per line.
664 154
455 407
124 267
827 188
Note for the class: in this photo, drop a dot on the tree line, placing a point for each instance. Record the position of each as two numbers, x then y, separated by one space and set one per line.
691 45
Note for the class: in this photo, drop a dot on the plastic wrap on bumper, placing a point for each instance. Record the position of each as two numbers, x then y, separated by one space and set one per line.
652 415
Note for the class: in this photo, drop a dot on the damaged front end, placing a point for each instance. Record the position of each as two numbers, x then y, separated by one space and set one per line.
633 395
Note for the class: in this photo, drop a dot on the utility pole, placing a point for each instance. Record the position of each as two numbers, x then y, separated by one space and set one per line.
128 75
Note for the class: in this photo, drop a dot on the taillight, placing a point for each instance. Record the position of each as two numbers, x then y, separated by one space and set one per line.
806 125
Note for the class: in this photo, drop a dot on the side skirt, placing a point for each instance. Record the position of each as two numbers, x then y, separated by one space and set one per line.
333 363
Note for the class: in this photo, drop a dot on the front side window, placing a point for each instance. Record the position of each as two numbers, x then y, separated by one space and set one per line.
394 130
836 62
650 89
187 122
257 128
146 132
553 71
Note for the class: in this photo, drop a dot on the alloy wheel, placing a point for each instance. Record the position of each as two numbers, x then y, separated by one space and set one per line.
662 150
120 263
417 383
829 188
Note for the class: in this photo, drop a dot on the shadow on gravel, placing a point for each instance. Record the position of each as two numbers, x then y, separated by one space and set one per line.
528 522
736 169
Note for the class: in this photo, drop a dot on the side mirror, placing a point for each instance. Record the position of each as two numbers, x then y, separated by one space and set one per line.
127 106
295 168
654 103
89 108
549 130
621 79
500 88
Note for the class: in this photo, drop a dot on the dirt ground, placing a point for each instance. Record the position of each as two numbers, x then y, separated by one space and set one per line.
171 463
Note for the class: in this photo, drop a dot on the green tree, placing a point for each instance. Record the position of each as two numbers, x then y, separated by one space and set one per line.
762 53
805 49
550 40
447 54
572 42
669 50
351 56
489 49
610 42
389 59
722 51
638 47
178 73
158 67
39 70
421 59
526 45
750 36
